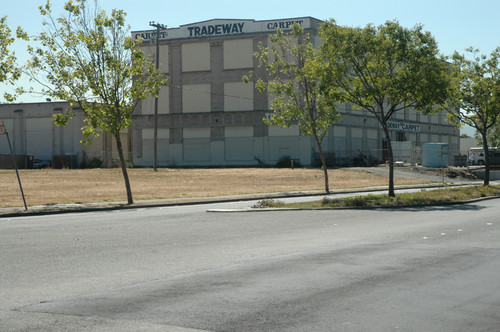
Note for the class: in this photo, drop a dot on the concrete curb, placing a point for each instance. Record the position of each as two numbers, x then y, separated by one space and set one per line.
250 209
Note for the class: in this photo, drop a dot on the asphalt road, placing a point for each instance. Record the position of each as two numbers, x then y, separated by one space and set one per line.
181 268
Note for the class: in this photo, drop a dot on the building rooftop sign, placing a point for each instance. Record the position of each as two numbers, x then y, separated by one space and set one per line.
226 27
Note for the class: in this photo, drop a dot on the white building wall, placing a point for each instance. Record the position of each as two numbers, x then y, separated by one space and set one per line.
39 137
32 131
196 144
239 144
9 127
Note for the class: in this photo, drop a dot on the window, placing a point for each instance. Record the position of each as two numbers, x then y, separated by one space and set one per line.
150 51
148 104
238 96
196 98
401 136
238 53
195 57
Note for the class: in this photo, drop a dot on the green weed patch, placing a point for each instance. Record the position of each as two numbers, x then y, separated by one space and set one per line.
424 197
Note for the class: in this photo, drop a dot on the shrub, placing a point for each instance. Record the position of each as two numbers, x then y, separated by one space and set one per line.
269 203
286 162
96 163
93 163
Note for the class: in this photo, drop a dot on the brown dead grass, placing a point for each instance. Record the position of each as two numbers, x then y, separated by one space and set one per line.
51 186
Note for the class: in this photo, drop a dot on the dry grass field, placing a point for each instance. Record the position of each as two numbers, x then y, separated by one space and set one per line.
65 186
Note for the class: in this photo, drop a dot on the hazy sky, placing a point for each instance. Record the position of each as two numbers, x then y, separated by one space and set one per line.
456 24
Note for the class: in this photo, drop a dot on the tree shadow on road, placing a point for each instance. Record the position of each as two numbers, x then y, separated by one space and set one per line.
438 207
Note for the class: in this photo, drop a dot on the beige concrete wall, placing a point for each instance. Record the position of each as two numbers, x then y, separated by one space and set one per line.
196 132
280 131
238 131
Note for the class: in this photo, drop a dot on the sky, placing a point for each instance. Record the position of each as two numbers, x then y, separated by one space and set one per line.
455 24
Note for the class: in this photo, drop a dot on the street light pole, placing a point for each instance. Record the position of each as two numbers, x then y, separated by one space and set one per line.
158 27
3 131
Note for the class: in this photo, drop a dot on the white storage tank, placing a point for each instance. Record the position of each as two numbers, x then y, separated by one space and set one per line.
435 155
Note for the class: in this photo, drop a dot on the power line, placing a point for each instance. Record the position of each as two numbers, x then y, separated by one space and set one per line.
214 93
257 99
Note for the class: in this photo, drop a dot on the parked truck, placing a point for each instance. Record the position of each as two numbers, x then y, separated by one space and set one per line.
476 156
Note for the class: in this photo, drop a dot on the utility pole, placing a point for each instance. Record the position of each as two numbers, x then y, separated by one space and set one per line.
158 27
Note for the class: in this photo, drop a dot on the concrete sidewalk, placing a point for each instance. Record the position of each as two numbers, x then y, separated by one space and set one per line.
430 177
85 207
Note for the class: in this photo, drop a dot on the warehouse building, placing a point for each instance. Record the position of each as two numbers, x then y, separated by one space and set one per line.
209 117
33 135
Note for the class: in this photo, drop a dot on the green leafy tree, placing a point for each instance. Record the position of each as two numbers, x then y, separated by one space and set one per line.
383 70
476 91
9 71
89 59
292 80
493 136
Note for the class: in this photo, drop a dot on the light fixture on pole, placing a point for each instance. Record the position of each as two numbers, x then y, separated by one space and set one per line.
158 27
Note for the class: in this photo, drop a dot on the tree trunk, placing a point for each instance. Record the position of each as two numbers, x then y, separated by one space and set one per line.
323 163
390 156
119 148
486 160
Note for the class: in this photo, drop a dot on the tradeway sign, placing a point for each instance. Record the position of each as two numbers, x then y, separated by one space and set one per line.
225 27
217 29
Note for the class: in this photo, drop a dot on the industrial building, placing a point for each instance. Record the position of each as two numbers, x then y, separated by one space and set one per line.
207 116
33 135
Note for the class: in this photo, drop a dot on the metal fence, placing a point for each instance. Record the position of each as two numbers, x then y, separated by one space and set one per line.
372 157
103 159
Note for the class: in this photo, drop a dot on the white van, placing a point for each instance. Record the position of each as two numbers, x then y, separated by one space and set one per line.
476 155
